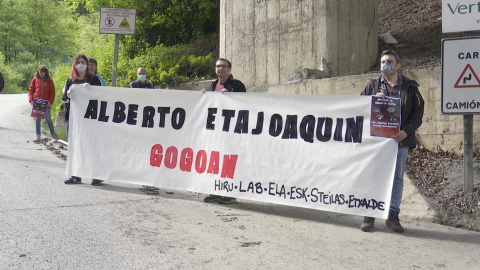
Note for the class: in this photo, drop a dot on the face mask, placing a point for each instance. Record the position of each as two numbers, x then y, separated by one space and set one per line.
386 68
81 68
142 77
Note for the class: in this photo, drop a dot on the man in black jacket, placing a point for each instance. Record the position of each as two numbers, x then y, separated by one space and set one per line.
141 81
224 83
393 84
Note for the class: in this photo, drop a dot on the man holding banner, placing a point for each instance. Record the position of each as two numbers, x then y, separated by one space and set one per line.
224 83
393 84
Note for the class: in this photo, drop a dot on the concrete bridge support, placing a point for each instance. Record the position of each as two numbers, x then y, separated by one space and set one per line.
274 41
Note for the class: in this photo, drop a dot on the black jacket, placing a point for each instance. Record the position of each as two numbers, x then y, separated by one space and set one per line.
230 84
2 82
412 106
91 79
139 84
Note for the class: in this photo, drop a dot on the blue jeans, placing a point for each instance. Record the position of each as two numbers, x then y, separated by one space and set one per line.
48 118
397 190
67 125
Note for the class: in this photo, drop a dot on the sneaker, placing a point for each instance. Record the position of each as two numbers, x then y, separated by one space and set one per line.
393 223
225 200
54 138
96 182
368 223
73 180
38 139
212 198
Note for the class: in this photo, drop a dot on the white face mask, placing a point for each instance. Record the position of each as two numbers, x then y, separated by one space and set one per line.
142 77
81 68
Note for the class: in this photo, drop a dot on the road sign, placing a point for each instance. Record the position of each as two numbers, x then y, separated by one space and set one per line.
120 21
460 82
465 79
460 15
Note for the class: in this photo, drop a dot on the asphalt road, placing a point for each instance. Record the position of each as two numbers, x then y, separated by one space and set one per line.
45 224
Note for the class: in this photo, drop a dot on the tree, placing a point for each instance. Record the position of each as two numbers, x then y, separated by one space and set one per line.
167 22
34 33
43 28
52 29
11 28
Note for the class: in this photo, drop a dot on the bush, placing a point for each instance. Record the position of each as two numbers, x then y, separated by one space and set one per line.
167 65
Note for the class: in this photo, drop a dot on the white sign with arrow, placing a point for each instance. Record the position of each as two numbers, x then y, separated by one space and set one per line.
460 75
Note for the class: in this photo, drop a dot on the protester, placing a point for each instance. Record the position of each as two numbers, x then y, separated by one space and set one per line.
42 88
141 81
80 74
2 82
92 64
224 83
393 84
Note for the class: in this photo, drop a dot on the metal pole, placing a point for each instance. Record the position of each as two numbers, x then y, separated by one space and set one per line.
467 148
467 154
115 56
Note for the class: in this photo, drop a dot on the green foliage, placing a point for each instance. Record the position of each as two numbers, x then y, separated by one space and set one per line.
99 46
32 34
52 32
39 27
12 79
166 66
167 22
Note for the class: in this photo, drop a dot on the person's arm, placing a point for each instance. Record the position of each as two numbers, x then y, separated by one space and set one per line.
31 91
102 80
2 82
95 81
237 86
368 91
414 120
240 87
51 98
65 90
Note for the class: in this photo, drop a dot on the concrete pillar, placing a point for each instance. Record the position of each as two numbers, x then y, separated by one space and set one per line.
274 41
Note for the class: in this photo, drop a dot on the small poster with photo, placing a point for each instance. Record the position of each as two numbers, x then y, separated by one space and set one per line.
385 117
39 108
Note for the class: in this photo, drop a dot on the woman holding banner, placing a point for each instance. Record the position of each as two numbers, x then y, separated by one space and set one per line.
41 95
81 74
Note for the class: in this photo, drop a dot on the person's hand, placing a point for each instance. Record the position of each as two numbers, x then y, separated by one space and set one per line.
380 94
69 91
223 90
49 105
203 90
400 136
31 102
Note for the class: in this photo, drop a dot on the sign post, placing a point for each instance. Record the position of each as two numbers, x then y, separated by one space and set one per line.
118 21
461 91
462 16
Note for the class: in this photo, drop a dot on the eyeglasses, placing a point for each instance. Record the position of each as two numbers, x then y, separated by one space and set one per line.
219 66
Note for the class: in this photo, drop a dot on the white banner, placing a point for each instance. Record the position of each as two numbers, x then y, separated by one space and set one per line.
301 150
